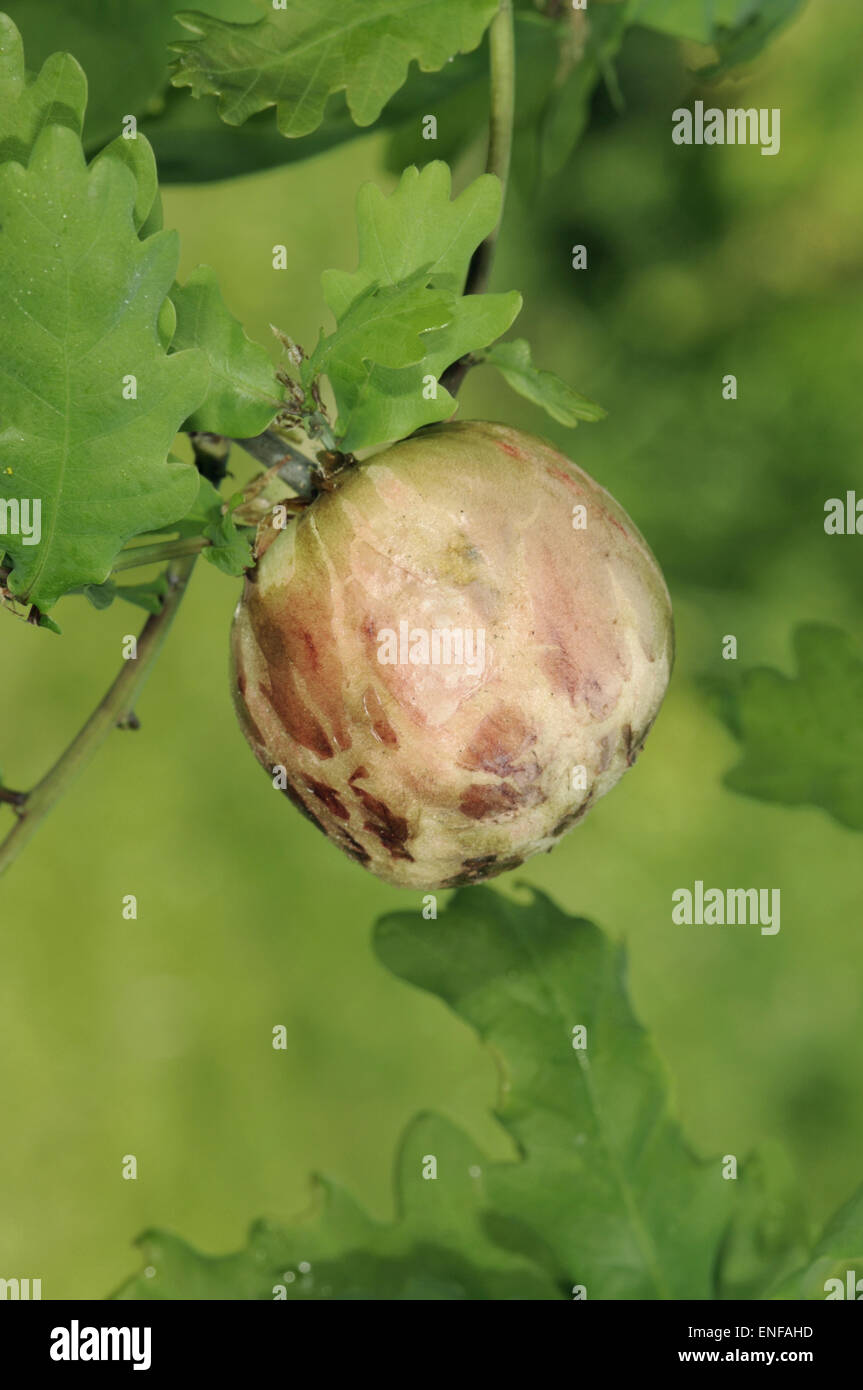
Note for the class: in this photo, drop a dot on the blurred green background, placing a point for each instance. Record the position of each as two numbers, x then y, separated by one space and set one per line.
153 1037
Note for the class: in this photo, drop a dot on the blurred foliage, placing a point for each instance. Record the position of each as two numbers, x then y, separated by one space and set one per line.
605 1193
437 1248
704 262
513 361
295 56
121 45
838 1254
802 737
153 1036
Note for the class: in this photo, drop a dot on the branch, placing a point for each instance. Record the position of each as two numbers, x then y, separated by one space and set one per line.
116 708
295 467
271 449
502 58
211 455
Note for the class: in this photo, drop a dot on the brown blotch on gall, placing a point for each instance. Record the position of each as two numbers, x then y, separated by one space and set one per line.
329 797
353 848
390 842
573 817
296 718
482 867
396 826
480 802
248 720
381 726
296 800
309 644
630 747
391 829
499 742
563 477
511 450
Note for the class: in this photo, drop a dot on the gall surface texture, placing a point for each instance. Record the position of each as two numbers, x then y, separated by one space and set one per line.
452 660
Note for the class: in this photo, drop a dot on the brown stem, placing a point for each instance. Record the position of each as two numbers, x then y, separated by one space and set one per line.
115 708
294 466
502 57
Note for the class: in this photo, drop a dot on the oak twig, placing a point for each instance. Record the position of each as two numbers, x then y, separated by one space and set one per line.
502 57
295 467
116 708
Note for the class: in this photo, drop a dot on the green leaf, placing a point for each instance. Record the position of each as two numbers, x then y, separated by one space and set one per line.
459 98
416 227
755 27
542 387
204 511
56 96
838 1253
568 109
193 145
416 236
802 737
388 403
149 596
101 596
383 324
242 398
436 1249
607 1194
296 57
768 1235
738 29
137 156
80 297
695 20
231 549
139 159
212 517
122 46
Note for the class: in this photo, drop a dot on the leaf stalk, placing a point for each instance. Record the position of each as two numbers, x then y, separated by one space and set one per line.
137 555
501 121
